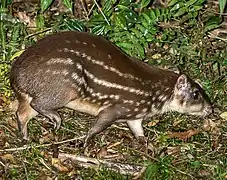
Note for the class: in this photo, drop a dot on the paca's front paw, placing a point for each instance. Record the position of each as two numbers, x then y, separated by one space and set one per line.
142 143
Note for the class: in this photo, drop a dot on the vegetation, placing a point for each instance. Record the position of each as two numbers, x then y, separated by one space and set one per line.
175 34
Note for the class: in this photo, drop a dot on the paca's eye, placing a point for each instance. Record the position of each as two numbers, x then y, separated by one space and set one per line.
196 95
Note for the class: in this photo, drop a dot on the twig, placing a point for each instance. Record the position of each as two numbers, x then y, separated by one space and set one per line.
92 7
81 1
46 166
39 32
101 12
25 171
2 164
43 145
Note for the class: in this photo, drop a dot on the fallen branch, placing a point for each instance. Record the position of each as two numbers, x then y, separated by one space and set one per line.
87 162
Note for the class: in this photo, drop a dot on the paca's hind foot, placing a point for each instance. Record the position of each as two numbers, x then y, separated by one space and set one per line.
24 113
49 113
142 143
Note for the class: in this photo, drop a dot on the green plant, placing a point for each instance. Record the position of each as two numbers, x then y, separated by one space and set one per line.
132 26
158 170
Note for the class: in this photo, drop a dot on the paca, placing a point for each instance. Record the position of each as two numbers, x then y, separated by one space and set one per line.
87 73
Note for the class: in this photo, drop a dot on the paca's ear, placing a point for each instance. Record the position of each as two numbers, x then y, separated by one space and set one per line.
182 82
182 86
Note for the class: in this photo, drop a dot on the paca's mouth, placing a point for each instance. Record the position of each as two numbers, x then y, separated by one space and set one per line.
207 111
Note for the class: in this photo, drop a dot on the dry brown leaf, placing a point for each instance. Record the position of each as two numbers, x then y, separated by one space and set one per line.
173 150
8 157
102 153
204 172
57 164
224 115
26 19
183 135
13 106
114 144
211 126
153 123
12 123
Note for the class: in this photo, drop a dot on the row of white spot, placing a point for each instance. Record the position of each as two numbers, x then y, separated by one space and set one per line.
101 63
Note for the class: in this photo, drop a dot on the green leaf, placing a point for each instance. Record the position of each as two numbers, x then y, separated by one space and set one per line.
177 6
144 3
173 2
200 2
152 171
98 29
125 2
152 15
146 17
189 3
68 4
157 12
180 12
120 21
222 4
72 25
45 4
40 22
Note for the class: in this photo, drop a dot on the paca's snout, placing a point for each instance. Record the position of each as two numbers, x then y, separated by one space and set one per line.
208 111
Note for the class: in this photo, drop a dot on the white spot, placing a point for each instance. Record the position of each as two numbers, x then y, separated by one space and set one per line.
64 72
136 109
48 70
153 98
88 58
67 41
84 43
56 72
157 92
114 85
109 56
79 66
93 45
153 106
160 97
164 98
106 102
78 79
83 55
93 100
66 61
142 101
144 110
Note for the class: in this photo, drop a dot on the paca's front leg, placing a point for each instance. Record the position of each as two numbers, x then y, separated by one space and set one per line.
105 118
136 127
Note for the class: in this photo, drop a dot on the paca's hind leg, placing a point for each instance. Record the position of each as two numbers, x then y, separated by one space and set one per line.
24 113
46 110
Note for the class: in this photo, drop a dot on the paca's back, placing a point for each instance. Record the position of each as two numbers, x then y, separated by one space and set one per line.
89 74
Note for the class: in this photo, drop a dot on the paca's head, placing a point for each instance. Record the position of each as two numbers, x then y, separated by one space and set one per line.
190 98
